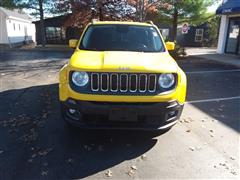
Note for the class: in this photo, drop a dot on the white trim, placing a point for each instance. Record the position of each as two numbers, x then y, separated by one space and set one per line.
197 35
19 19
222 34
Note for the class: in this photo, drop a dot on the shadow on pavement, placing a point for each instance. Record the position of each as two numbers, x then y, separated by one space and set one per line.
30 55
192 63
28 61
35 142
203 86
212 86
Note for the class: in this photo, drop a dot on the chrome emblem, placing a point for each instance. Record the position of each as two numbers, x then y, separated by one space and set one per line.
124 68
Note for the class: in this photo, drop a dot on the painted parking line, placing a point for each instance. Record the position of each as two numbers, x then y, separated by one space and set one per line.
213 100
216 71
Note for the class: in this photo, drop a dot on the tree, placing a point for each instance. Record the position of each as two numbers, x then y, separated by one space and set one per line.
82 11
213 24
78 11
144 8
11 4
179 11
39 9
114 10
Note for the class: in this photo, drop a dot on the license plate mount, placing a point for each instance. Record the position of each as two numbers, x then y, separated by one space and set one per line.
122 114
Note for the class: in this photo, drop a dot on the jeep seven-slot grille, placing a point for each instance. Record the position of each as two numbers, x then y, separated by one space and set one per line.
122 82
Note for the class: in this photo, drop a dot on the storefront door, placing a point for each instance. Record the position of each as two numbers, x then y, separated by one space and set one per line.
233 38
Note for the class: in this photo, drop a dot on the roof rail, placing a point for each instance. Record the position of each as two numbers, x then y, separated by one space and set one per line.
94 20
149 22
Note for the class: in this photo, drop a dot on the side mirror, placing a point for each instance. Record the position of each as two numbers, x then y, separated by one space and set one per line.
170 46
73 43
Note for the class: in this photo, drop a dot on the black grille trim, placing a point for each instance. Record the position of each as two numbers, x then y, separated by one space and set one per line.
123 85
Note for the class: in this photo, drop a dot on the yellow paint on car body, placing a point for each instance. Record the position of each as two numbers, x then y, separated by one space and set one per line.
114 61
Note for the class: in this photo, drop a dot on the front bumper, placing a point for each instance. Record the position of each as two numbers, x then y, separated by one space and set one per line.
113 115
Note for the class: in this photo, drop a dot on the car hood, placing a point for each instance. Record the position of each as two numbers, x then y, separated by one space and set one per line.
114 61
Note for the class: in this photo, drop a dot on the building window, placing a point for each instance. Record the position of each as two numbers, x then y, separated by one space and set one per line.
54 34
14 26
199 35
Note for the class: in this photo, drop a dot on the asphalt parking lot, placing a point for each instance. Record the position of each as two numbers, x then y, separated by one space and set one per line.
35 143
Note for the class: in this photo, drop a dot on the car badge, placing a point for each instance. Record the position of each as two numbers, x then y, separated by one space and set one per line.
124 68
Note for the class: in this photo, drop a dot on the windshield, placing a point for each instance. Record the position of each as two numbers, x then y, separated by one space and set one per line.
122 38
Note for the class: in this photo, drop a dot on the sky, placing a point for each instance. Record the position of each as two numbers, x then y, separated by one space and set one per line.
214 7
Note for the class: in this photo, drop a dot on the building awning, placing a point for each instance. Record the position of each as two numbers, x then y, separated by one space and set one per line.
229 7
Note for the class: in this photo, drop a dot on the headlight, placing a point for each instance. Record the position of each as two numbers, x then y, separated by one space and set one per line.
166 80
80 78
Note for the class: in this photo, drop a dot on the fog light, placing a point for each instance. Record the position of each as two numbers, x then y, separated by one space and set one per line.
172 114
72 111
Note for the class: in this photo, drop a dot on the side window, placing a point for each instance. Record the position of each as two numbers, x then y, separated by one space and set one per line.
156 40
199 35
86 37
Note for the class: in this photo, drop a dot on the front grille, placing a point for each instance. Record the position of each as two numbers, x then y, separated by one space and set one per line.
122 82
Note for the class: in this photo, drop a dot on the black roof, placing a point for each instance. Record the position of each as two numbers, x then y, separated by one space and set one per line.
54 21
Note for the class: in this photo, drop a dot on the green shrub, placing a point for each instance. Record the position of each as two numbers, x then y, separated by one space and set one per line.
178 52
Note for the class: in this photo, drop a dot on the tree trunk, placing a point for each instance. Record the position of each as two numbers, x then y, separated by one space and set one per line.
142 11
100 13
139 8
42 27
174 24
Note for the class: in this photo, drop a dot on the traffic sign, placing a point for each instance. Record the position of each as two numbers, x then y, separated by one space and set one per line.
185 28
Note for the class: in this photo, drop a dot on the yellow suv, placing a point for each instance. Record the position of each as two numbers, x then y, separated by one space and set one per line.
122 76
